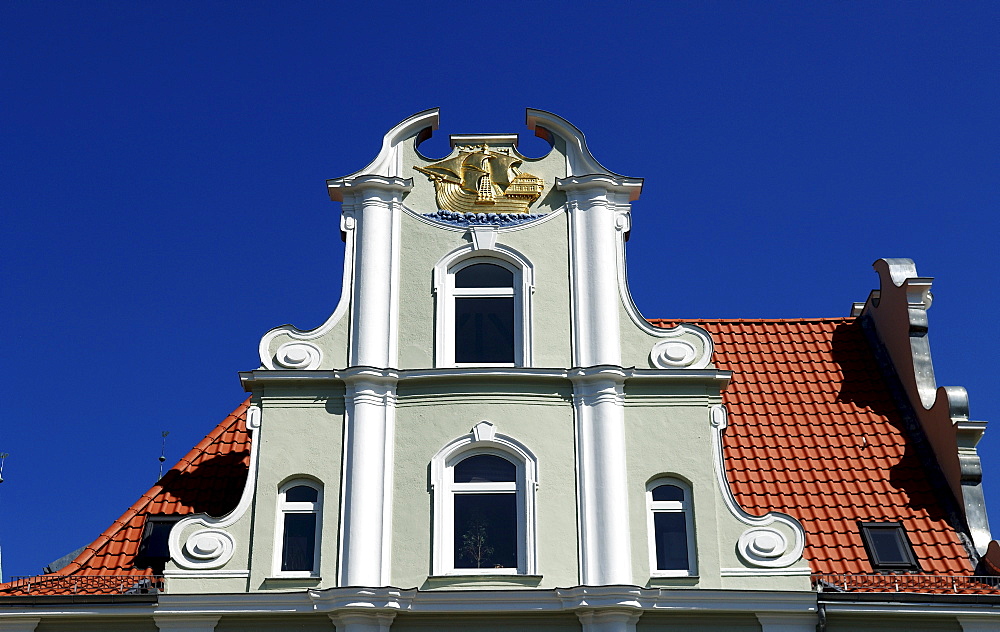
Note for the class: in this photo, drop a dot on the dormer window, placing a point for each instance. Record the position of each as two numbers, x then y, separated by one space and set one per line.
888 546
483 310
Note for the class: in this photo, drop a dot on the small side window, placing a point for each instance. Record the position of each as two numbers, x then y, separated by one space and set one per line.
888 546
299 516
671 528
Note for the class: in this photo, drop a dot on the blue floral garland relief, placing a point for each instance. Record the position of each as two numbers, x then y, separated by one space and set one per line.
483 219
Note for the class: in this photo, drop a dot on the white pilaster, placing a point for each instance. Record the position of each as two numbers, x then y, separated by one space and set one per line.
599 410
362 621
185 622
375 204
598 207
365 516
608 620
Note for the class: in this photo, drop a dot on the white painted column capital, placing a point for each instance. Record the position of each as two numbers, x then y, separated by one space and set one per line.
608 620
19 624
602 481
186 622
370 401
362 621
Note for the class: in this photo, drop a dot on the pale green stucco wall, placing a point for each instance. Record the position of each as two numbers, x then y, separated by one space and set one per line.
503 623
656 622
540 417
301 436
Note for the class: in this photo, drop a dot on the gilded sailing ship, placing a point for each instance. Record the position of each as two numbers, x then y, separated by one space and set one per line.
483 180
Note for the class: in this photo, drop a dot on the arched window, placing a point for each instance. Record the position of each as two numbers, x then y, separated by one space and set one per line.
483 311
671 528
298 530
484 506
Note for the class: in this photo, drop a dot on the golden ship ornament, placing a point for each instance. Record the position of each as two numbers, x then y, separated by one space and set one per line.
481 179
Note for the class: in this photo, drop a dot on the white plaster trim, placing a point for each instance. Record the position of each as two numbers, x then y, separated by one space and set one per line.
214 574
765 572
178 550
444 293
579 160
791 552
389 161
702 360
347 225
483 439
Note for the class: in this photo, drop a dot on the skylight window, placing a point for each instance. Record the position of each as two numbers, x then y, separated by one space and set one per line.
888 546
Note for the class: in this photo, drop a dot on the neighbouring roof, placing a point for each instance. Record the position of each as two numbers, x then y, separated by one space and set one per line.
209 479
813 432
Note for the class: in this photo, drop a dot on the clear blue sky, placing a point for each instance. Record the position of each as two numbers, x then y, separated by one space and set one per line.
163 196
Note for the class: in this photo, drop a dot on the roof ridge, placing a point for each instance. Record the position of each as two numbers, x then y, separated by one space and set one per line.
146 498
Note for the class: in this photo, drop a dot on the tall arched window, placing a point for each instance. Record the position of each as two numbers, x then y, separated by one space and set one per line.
484 486
483 311
298 530
671 528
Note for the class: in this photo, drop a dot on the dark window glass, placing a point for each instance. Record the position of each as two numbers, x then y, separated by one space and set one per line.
888 547
485 468
484 275
668 492
298 547
153 549
671 541
301 494
485 530
484 330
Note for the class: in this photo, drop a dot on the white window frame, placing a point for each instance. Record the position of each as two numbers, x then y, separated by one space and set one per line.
283 508
446 293
483 440
671 506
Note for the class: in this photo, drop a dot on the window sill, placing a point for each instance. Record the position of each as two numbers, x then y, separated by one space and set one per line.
481 580
675 581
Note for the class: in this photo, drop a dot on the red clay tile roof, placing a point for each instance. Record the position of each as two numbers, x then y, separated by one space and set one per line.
814 433
209 479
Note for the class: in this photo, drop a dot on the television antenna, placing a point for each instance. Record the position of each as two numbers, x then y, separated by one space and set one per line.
163 449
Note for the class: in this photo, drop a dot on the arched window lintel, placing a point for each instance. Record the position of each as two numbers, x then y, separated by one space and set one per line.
469 444
467 255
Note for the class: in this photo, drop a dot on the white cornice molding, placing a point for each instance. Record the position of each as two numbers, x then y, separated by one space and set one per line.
473 601
256 380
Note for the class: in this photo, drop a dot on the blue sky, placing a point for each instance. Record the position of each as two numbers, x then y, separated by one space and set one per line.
164 202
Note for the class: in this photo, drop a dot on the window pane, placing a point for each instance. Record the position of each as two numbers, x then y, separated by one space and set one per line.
484 330
668 492
298 547
301 494
887 545
485 531
484 275
485 468
671 541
